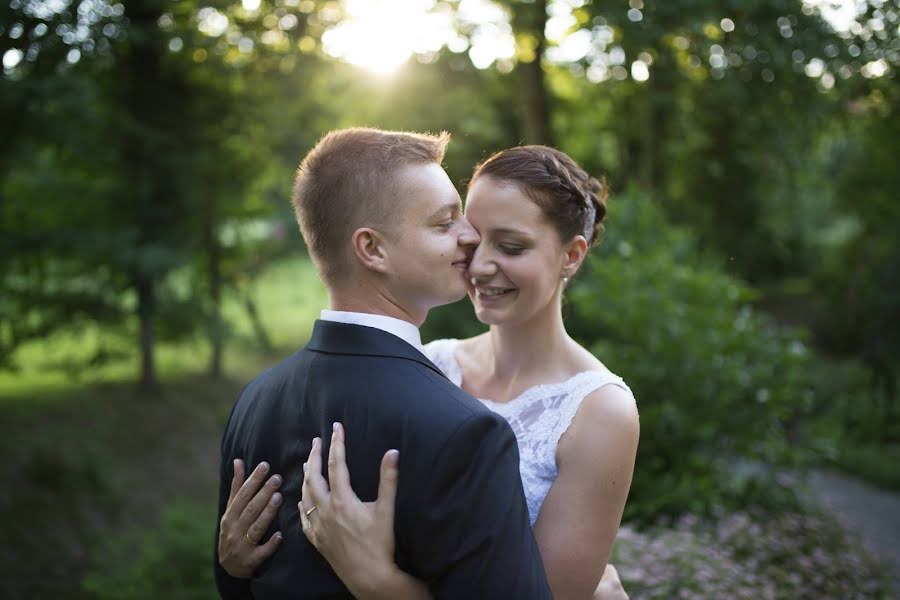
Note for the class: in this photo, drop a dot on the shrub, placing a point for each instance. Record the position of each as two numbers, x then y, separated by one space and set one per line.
172 561
717 382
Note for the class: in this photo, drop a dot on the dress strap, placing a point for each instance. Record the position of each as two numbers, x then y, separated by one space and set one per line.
582 387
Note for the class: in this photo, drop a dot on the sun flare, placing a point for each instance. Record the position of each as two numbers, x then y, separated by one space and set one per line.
381 35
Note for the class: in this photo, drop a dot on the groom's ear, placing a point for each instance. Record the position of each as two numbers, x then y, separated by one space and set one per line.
368 247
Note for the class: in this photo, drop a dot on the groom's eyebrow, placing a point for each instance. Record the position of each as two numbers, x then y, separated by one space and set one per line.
449 207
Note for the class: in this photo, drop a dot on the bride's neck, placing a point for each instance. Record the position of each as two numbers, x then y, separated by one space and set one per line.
527 348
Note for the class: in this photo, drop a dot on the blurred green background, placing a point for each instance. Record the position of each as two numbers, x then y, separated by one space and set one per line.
748 286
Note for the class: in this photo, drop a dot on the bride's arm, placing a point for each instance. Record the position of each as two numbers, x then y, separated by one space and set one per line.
580 516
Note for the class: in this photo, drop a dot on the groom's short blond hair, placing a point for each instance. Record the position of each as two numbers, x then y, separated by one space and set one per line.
350 180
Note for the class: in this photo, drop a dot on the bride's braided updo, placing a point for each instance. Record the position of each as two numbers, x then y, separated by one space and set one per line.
573 201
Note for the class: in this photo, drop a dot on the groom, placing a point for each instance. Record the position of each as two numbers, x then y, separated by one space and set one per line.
384 226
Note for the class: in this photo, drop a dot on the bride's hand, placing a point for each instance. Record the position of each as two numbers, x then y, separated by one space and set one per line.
357 538
250 511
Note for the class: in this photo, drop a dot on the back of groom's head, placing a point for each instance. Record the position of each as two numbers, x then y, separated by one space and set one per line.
351 179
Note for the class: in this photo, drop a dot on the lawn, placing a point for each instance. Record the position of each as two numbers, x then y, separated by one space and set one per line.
90 464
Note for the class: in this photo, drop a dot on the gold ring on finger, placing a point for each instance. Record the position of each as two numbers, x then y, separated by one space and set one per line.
247 537
310 511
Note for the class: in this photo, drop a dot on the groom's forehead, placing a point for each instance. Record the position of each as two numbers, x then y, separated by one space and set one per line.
425 187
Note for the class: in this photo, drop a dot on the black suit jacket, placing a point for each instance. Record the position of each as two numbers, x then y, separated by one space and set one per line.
461 520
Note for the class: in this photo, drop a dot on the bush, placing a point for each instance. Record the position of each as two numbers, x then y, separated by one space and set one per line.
877 464
172 561
717 383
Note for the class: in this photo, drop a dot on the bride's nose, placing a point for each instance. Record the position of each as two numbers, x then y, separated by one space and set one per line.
481 266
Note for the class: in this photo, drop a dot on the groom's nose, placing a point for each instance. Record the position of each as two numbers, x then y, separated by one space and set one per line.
467 234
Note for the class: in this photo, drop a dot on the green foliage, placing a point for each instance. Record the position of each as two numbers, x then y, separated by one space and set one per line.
286 294
715 379
858 310
876 463
150 181
173 560
67 474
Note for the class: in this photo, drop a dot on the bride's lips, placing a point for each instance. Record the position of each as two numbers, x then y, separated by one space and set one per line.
491 294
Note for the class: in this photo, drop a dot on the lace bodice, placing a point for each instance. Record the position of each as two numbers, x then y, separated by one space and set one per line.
538 416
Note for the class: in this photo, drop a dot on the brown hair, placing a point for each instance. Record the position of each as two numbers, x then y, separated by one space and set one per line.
573 201
349 180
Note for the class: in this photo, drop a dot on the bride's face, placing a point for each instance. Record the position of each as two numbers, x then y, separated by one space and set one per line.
516 270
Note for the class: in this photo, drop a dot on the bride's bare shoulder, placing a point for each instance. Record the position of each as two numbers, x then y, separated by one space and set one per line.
582 360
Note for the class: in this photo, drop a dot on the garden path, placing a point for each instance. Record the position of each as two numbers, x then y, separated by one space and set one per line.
872 512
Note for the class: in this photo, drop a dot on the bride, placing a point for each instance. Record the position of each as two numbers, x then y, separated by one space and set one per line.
537 212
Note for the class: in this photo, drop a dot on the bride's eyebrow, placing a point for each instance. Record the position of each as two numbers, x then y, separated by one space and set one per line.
508 231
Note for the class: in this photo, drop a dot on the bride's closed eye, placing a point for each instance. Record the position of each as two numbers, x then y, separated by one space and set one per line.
511 249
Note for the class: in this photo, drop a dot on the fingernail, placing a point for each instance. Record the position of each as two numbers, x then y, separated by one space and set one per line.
276 499
264 466
275 481
316 442
235 463
304 468
278 535
335 425
393 456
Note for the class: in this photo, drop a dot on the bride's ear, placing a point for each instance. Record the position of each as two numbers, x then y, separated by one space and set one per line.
575 253
369 249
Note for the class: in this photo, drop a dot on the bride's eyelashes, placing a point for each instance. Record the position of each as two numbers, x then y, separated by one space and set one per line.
511 249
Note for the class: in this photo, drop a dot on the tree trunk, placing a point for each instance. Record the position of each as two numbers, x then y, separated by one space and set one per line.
217 328
262 336
529 22
140 91
145 308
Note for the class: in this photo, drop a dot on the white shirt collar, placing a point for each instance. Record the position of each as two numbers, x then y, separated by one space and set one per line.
404 330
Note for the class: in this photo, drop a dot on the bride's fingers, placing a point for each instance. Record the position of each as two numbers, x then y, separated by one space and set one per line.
257 510
264 551
338 476
246 492
387 487
315 490
237 481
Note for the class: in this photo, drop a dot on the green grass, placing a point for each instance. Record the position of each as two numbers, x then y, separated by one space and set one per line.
288 296
88 461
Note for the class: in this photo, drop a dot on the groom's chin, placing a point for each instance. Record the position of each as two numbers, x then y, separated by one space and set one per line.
453 297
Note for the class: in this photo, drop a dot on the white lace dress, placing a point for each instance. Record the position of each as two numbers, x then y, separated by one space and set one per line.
538 416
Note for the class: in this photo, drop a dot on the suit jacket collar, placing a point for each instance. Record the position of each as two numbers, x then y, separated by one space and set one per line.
358 340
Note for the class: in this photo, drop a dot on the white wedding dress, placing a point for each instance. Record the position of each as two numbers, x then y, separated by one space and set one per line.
538 416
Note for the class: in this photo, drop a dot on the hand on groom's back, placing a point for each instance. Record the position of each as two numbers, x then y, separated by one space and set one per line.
250 511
